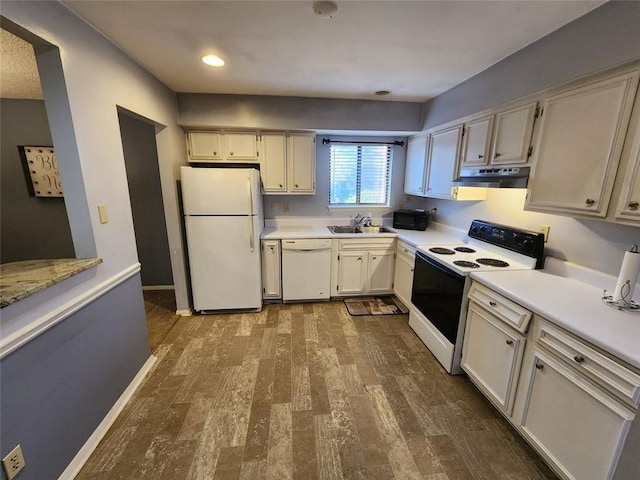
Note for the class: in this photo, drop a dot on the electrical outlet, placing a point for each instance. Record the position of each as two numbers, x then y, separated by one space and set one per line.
285 207
13 462
545 229
275 206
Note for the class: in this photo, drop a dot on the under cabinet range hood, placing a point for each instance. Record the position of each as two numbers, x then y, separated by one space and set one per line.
512 177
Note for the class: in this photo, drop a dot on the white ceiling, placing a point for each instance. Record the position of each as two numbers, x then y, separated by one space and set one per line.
416 49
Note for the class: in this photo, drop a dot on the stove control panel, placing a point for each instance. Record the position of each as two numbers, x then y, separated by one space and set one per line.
514 239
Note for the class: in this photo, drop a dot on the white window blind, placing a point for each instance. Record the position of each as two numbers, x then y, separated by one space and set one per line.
359 174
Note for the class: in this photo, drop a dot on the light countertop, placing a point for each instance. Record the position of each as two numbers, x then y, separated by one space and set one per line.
437 235
572 305
21 279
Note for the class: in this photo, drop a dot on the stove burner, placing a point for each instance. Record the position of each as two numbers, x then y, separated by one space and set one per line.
464 263
442 251
464 250
492 262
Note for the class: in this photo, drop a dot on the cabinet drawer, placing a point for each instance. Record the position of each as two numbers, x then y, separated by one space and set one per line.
406 251
612 376
366 244
508 311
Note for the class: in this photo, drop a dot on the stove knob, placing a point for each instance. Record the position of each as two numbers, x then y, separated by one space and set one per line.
517 238
528 244
474 229
483 229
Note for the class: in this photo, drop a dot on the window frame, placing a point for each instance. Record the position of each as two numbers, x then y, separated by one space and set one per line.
388 170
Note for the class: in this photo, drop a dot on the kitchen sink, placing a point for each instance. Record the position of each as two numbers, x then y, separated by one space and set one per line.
348 229
343 229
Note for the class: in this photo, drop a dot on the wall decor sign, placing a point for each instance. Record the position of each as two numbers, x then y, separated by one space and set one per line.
43 171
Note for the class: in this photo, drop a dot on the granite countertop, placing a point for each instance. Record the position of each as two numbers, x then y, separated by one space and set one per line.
572 305
21 279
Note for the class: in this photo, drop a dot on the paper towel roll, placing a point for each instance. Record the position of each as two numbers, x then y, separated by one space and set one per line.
628 277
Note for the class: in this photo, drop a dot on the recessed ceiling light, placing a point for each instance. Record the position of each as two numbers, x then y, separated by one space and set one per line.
382 93
213 60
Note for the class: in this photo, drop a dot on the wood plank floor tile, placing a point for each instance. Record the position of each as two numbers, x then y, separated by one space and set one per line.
280 456
229 463
306 391
282 382
305 465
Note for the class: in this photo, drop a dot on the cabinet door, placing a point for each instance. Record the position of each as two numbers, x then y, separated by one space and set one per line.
512 136
579 146
492 356
380 272
273 162
574 424
204 146
271 269
403 278
241 146
352 270
477 142
629 202
415 165
302 162
444 151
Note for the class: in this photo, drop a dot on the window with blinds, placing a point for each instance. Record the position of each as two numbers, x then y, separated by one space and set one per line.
359 174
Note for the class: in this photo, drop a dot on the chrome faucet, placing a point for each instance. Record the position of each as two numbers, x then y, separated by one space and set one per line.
357 220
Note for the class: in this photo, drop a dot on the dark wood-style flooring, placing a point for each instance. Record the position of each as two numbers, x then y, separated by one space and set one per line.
306 392
160 310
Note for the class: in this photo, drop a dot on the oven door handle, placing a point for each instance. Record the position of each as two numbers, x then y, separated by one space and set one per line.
437 265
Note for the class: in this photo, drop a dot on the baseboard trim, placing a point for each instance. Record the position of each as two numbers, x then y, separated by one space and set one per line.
25 334
186 312
157 287
92 442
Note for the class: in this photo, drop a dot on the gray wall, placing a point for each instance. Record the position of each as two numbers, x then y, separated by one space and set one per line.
57 388
317 205
145 192
30 227
283 113
603 38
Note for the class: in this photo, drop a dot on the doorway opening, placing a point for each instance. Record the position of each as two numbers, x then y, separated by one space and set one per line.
147 208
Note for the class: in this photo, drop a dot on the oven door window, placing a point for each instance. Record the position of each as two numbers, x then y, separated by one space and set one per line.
437 292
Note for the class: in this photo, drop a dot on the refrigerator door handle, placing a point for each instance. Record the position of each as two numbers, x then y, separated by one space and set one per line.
250 199
251 234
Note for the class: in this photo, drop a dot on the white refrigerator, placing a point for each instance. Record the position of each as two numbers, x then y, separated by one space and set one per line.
223 220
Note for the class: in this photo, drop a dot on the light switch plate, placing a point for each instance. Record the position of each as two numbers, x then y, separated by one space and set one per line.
102 210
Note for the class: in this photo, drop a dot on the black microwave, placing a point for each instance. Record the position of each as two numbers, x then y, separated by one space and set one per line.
410 219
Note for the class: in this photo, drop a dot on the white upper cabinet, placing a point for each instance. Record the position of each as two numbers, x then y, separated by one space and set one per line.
628 209
241 146
512 136
273 170
301 153
415 165
579 146
204 146
221 146
442 163
476 146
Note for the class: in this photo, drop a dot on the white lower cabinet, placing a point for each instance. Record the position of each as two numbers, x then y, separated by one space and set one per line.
271 283
492 356
403 275
363 266
576 426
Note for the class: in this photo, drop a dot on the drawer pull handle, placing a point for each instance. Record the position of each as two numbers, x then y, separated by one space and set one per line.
280 185
480 156
589 202
579 358
493 304
509 342
215 153
633 205
539 366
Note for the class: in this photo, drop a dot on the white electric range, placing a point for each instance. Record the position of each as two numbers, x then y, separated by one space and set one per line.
441 282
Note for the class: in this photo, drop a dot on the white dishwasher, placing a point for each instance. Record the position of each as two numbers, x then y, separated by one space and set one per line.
306 269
